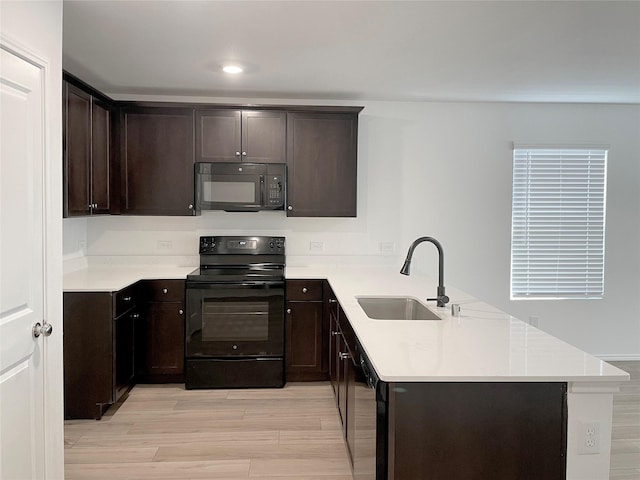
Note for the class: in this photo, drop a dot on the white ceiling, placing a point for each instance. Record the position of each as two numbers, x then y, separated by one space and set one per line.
551 51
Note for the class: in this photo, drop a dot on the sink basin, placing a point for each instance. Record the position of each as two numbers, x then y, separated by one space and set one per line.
395 308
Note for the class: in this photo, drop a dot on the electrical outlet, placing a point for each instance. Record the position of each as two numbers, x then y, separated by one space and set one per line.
165 244
588 438
316 246
82 245
533 320
387 247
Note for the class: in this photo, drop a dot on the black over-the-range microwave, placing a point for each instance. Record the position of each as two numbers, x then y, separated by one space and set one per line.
240 187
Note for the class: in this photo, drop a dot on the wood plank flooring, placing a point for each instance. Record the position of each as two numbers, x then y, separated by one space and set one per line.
625 438
167 433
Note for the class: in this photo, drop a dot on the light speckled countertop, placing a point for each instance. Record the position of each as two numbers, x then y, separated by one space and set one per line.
483 344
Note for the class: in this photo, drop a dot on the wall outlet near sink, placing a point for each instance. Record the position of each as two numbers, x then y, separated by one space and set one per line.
165 244
387 247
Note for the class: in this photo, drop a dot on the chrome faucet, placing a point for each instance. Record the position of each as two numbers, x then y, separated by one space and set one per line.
442 299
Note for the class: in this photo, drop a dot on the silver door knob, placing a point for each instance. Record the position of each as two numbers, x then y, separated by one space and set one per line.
44 330
289 208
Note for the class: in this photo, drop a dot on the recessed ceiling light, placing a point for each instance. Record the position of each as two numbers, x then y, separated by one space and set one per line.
232 69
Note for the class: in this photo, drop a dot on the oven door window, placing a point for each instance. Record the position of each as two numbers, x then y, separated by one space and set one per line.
230 321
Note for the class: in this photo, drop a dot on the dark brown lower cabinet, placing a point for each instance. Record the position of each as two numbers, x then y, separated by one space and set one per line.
305 352
492 431
99 352
160 346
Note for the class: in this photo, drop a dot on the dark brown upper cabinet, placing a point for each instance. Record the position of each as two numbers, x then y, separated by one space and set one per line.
87 152
322 164
255 136
156 160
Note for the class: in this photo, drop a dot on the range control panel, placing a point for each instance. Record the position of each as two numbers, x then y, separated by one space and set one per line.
242 245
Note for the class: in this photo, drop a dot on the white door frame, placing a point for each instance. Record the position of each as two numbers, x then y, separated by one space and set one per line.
52 233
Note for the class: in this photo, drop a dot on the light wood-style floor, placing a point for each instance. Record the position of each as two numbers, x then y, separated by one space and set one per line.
167 433
625 441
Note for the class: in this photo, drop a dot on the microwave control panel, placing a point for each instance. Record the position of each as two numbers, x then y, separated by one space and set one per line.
275 196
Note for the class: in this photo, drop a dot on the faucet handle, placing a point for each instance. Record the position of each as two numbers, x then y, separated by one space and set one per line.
441 300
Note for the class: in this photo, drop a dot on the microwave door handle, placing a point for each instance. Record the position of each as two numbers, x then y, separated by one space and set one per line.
263 200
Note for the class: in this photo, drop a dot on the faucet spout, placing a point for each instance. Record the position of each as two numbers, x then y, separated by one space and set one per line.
441 298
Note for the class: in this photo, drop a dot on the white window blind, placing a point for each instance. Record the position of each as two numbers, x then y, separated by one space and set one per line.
558 220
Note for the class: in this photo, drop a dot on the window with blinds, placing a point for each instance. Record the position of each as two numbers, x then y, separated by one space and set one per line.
557 223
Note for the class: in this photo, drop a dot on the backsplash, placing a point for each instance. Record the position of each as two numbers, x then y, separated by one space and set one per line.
174 240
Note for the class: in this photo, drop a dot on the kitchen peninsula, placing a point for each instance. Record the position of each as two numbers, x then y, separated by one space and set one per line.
482 350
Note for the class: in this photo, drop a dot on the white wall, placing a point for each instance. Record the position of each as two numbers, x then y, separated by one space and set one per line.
444 170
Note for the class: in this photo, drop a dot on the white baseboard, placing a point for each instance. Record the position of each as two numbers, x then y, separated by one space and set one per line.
620 357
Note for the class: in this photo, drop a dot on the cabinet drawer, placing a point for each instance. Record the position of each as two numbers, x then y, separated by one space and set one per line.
164 291
301 290
125 299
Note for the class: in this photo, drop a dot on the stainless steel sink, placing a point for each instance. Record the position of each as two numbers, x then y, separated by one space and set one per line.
395 308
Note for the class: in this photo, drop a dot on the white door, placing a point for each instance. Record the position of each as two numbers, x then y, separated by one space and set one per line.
22 158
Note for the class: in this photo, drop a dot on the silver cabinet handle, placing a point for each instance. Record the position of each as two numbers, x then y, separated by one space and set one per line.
190 206
165 291
126 299
180 311
304 290
289 208
333 300
44 330
244 154
288 310
335 334
344 356
237 154
135 315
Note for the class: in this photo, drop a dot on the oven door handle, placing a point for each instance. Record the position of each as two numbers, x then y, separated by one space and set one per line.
209 284
232 266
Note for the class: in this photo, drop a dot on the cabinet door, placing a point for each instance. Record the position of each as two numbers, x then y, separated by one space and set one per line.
321 164
304 341
342 361
163 338
218 136
88 353
124 364
157 161
100 156
264 136
334 346
77 151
